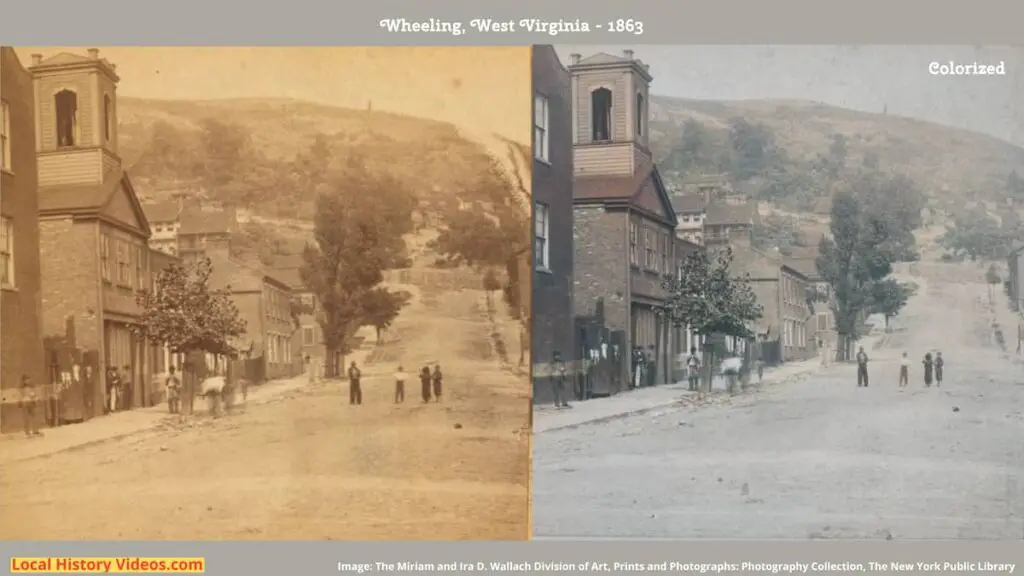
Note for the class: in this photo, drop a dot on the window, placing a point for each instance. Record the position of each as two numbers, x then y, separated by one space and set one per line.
634 257
105 270
541 116
66 104
601 115
649 260
307 336
639 115
123 264
5 136
6 252
541 225
140 268
108 116
666 251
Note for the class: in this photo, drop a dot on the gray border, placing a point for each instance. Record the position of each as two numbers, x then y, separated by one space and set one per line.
313 558
319 22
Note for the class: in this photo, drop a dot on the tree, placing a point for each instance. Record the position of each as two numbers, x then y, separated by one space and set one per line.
224 147
359 225
858 254
752 147
993 279
382 307
490 283
187 315
976 235
491 228
711 300
890 296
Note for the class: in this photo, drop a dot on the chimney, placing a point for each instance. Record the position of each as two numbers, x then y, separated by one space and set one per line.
94 53
628 54
37 59
574 59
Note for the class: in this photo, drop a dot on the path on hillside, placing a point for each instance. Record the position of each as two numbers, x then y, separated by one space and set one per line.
815 458
311 466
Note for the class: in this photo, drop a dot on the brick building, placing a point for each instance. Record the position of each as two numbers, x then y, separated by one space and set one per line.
21 344
552 214
93 232
624 225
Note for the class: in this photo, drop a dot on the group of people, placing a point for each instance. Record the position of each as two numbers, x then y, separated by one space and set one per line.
933 366
119 389
431 384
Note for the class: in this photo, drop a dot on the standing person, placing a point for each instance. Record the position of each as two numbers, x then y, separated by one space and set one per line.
173 384
127 389
355 387
822 352
437 380
309 368
938 369
27 403
113 389
400 378
558 380
425 383
904 370
928 365
862 368
693 369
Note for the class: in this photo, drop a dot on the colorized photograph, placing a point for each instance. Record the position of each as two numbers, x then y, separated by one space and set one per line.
265 293
752 264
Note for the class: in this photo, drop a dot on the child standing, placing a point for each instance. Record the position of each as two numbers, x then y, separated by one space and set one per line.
438 379
400 378
904 370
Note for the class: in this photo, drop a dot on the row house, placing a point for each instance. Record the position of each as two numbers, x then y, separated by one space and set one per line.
553 330
690 213
21 305
722 220
782 290
623 222
92 229
309 340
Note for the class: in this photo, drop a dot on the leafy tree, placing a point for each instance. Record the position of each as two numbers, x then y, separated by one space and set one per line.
168 153
382 308
752 148
856 256
975 235
189 316
223 148
358 227
890 296
491 228
1015 184
710 299
490 283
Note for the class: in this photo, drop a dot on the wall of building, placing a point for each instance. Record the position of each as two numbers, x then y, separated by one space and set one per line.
21 302
552 328
797 313
280 331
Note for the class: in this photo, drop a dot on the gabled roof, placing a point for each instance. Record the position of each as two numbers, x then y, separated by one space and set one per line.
196 221
602 58
623 189
605 60
161 211
90 199
688 204
724 214
69 60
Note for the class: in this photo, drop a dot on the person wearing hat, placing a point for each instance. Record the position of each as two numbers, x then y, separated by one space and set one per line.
355 389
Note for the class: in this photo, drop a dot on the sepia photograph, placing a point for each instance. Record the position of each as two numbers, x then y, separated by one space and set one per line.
265 293
769 254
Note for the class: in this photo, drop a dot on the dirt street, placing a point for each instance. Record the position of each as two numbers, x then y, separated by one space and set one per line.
310 466
816 457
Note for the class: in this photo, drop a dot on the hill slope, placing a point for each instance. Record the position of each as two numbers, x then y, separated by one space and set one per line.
949 164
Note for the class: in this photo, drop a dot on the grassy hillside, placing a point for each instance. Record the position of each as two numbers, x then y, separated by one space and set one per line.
949 165
163 141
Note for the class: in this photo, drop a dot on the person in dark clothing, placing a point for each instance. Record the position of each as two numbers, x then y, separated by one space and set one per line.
437 379
27 403
693 369
928 365
558 381
904 370
862 368
113 390
127 389
425 383
938 368
355 389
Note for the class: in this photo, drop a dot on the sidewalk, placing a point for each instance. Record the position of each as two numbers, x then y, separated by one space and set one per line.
16 447
548 418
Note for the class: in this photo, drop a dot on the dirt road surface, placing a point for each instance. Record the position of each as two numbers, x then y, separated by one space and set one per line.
815 458
310 466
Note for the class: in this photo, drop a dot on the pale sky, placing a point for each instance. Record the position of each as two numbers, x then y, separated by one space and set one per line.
867 78
481 90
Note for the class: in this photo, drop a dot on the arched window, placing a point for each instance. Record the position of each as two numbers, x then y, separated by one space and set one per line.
639 114
108 117
66 104
601 110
